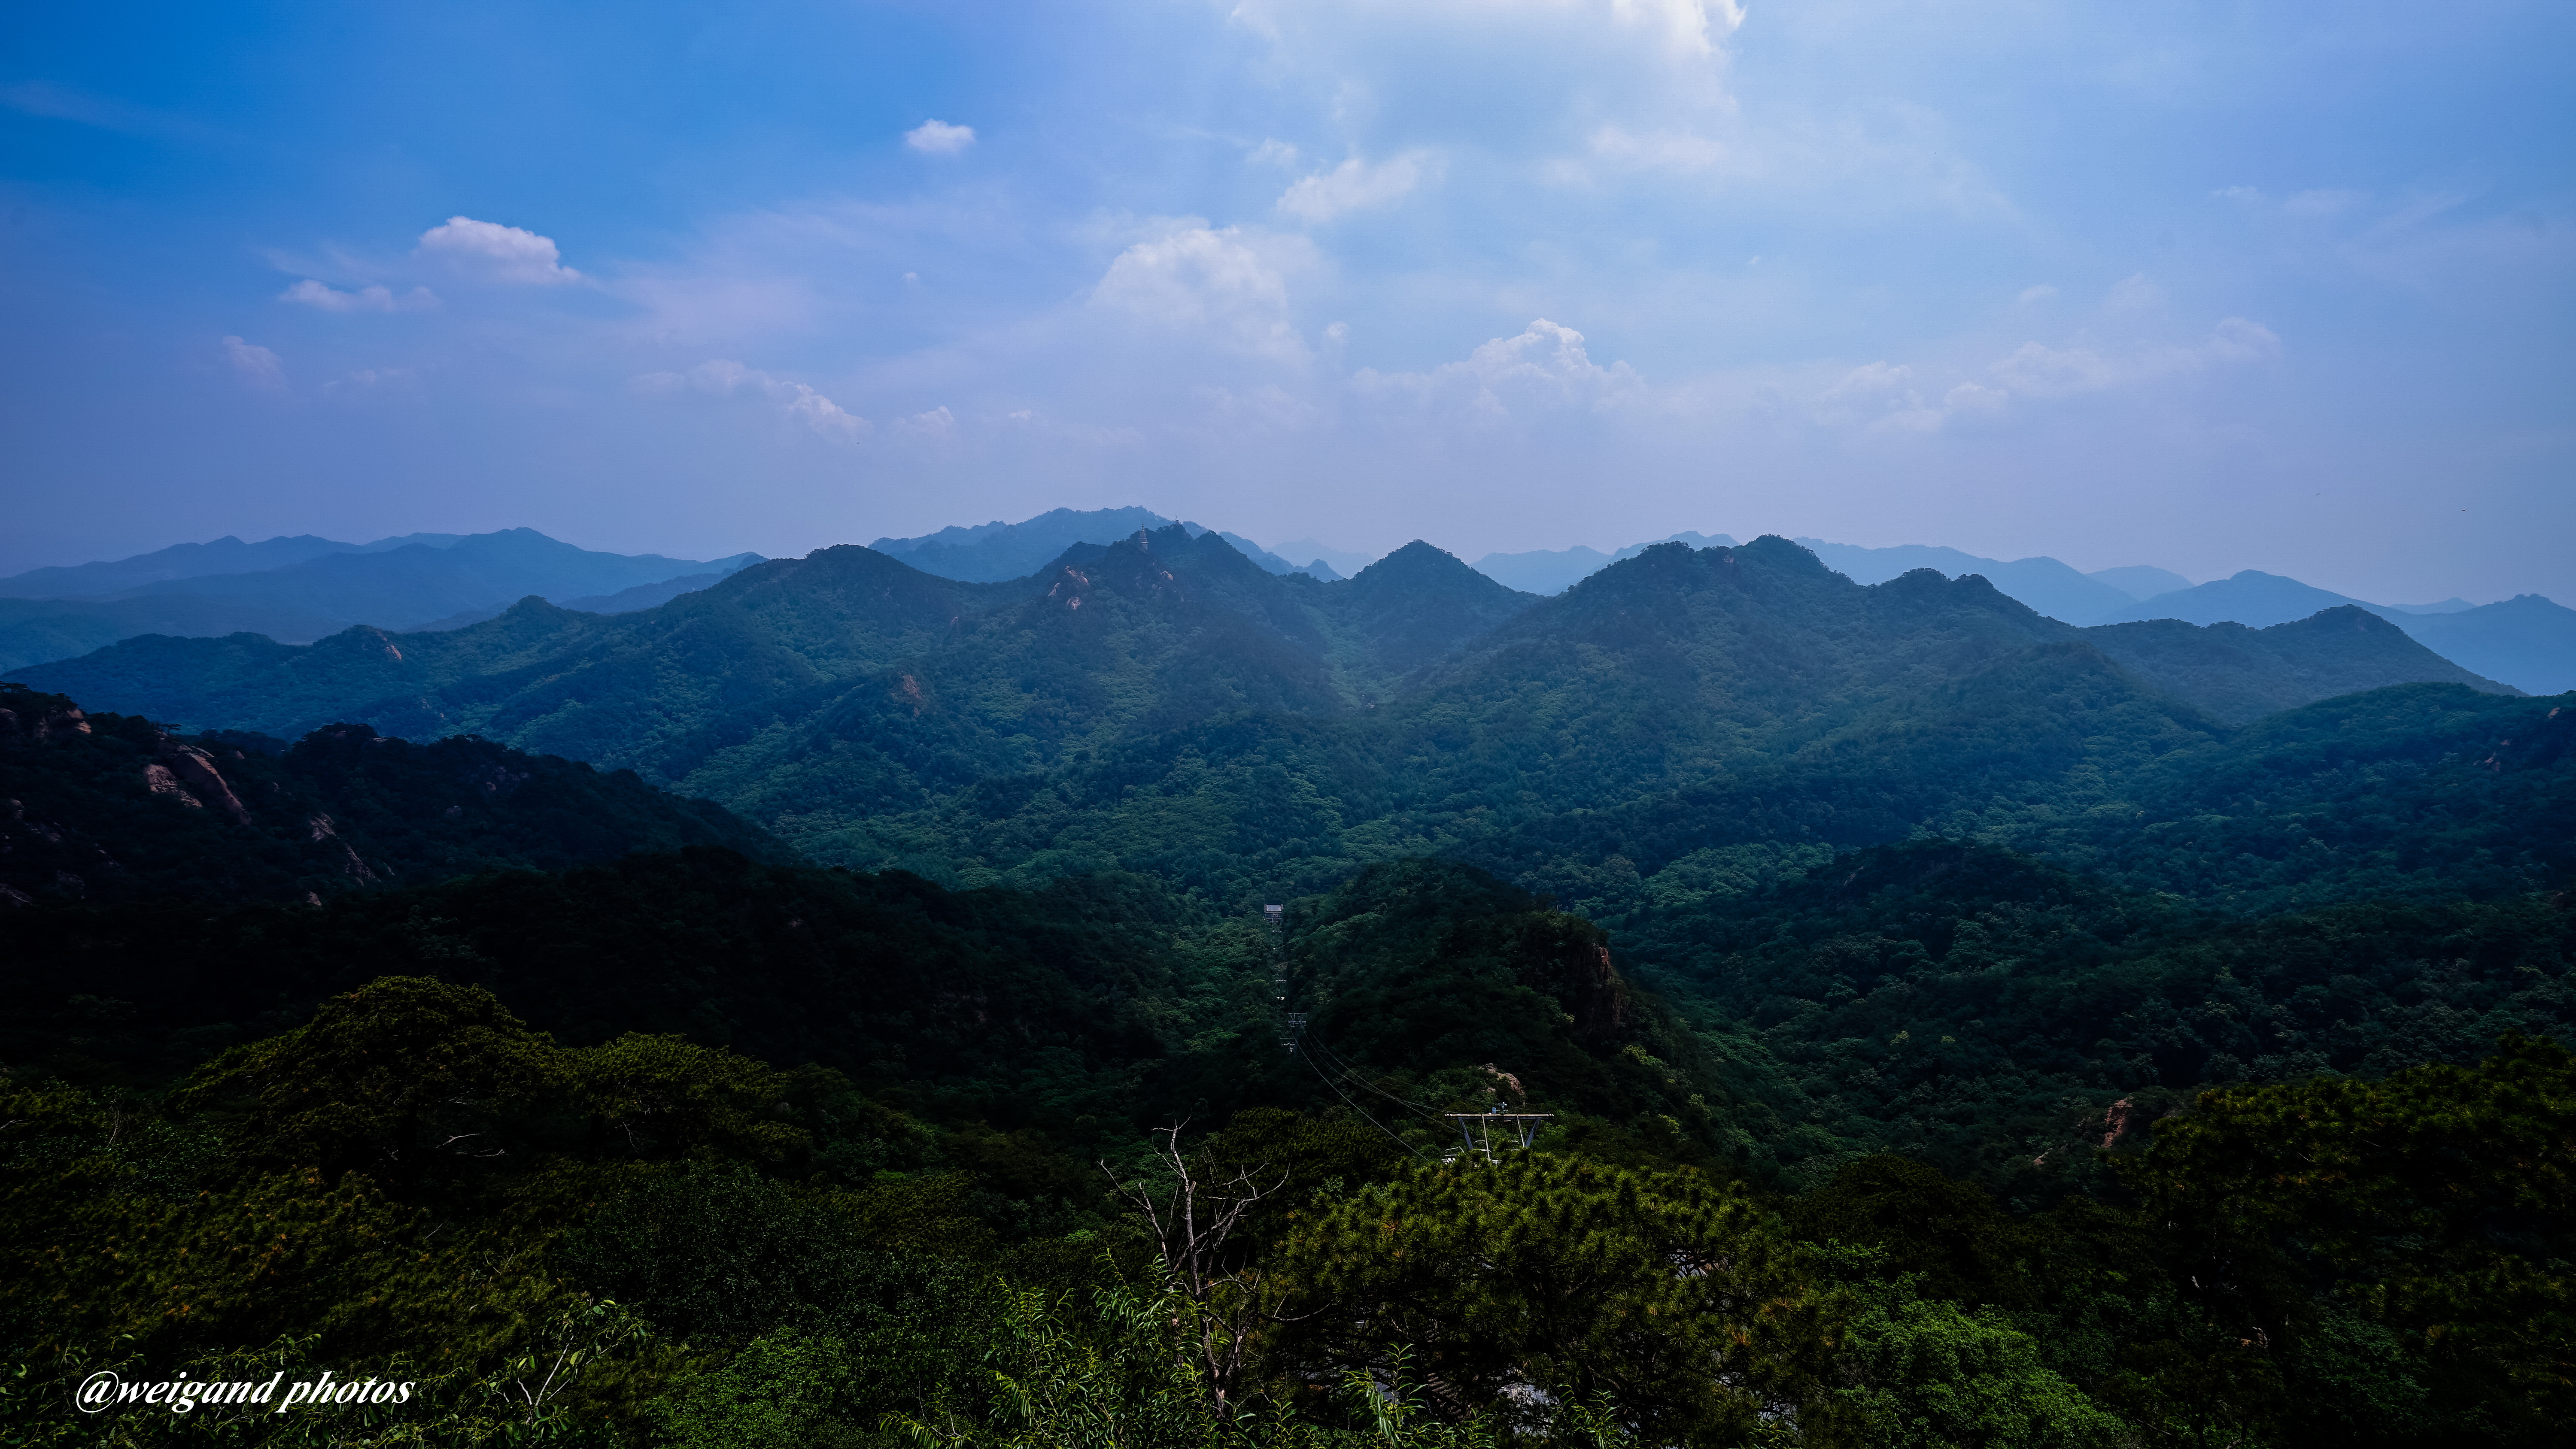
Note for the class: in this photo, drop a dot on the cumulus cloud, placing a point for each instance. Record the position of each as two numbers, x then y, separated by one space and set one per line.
1684 27
1545 367
938 138
310 293
1886 397
496 253
1880 397
255 365
1353 185
723 377
1209 283
2037 370
938 423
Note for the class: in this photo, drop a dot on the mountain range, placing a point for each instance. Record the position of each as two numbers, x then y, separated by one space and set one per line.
2527 641
1553 571
300 589
992 553
292 589
1163 703
745 992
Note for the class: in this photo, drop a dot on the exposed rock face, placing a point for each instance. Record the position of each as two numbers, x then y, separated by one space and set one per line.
1564 957
204 781
43 724
326 829
188 775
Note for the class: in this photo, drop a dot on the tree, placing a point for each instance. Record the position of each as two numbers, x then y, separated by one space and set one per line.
1194 1215
1546 1282
2441 1199
399 1076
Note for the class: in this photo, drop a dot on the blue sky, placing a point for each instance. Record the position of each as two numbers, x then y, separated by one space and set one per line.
2209 286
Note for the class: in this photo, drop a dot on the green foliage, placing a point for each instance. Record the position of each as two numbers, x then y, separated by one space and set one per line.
1552 1280
401 1074
2001 1018
1163 706
2442 1199
114 808
526 1134
1937 1376
1947 1238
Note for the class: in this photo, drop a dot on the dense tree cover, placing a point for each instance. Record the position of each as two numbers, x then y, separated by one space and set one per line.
1991 1013
1163 705
1951 1028
639 1242
113 808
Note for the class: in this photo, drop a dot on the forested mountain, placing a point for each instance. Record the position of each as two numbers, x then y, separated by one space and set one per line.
1162 704
2527 641
1930 1018
112 808
226 555
1554 570
316 591
2051 587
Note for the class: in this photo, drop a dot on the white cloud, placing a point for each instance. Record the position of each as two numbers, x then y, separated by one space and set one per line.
1545 367
255 364
2038 370
314 294
2033 296
938 423
1658 150
723 376
1878 397
495 252
938 138
2245 195
1353 185
1272 153
1683 27
1212 283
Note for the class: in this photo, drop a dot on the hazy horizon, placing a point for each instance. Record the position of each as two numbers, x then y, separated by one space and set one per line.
2187 287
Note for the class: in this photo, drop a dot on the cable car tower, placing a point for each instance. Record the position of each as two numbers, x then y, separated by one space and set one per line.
1523 1125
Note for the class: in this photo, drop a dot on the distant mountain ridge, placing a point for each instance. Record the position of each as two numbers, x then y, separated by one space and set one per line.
226 555
996 552
1144 704
2527 641
407 585
1553 571
112 808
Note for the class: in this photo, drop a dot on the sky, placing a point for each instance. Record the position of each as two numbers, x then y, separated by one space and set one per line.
2208 286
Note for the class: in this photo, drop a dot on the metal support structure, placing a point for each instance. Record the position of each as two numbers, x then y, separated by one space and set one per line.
1523 1125
1293 1028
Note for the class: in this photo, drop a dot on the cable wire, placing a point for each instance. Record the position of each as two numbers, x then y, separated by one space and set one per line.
1346 1069
1365 1117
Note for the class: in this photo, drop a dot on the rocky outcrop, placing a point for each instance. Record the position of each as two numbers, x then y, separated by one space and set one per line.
48 716
187 774
324 829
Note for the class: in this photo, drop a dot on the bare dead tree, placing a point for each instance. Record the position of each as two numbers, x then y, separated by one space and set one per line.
1192 1219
